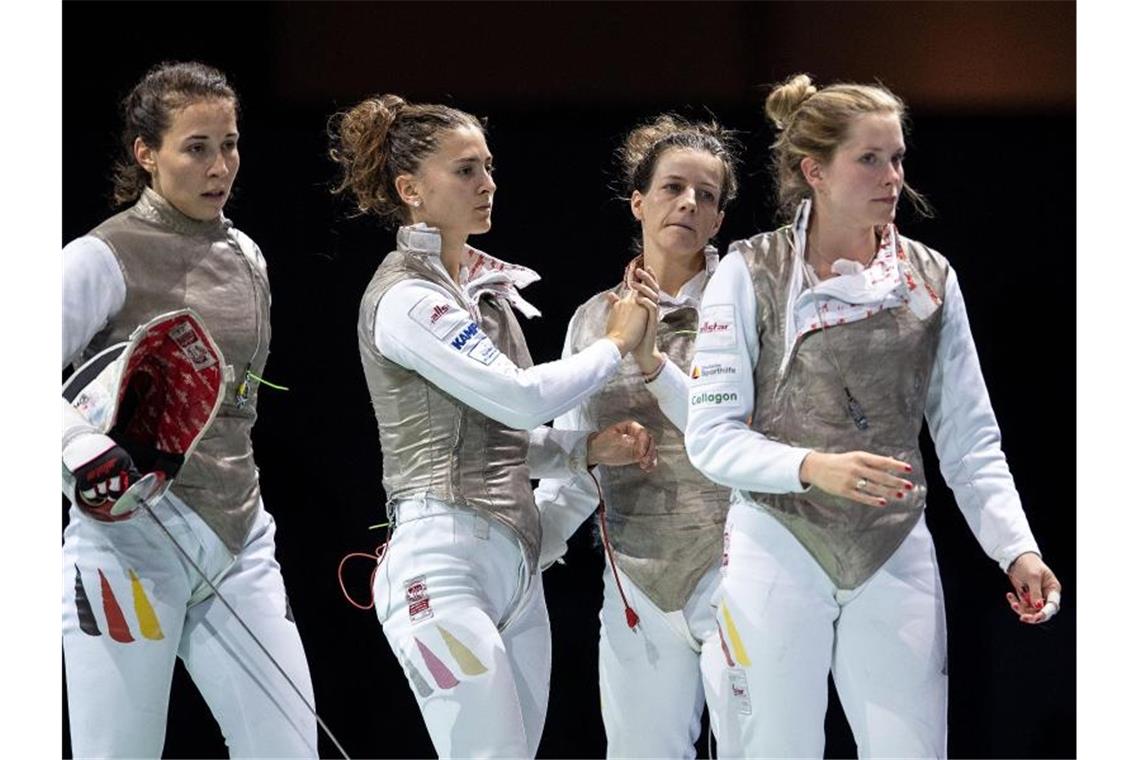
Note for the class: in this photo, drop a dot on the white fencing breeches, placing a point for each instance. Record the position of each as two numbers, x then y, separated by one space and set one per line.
131 604
650 679
782 625
468 623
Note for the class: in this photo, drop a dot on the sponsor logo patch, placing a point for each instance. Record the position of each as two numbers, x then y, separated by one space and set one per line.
713 370
483 350
738 691
717 327
429 312
192 346
724 396
464 336
419 603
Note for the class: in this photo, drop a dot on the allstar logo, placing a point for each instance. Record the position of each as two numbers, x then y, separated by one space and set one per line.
434 315
714 328
717 327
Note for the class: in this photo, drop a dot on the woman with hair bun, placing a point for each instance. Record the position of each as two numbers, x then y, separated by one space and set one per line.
847 335
663 526
132 601
460 410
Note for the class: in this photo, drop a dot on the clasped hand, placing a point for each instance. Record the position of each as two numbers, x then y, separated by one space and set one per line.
634 315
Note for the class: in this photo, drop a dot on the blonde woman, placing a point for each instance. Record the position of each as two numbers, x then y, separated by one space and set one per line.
847 335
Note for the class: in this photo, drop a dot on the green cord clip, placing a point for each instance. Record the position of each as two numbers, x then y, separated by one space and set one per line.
263 381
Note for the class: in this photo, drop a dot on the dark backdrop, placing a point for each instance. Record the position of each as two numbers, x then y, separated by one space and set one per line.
992 87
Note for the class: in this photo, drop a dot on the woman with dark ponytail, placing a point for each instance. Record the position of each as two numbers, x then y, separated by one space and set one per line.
661 528
133 599
460 410
846 335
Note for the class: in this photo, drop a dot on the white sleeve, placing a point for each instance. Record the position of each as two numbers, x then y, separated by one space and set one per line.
556 453
565 503
718 438
968 441
560 451
93 291
671 389
421 327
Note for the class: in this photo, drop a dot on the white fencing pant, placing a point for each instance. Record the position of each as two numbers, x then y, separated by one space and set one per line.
782 625
131 604
468 623
650 679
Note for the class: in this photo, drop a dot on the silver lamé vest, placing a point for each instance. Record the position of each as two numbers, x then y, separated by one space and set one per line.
666 526
170 261
433 444
887 361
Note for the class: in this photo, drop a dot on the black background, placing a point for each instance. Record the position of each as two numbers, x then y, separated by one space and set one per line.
992 89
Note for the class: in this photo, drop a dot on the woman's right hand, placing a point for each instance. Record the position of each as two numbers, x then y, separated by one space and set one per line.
857 475
627 320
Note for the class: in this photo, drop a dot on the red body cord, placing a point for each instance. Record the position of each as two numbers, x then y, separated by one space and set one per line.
631 617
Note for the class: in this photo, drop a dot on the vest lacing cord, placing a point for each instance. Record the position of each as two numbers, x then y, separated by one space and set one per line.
378 556
631 617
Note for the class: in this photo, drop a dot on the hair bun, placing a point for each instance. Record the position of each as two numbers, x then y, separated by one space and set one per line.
786 99
640 142
370 120
380 138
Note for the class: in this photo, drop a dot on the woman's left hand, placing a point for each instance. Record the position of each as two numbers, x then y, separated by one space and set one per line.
1038 592
641 279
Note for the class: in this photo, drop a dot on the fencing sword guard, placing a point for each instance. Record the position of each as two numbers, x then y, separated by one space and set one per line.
155 395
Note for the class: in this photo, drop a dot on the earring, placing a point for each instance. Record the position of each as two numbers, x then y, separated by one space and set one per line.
416 203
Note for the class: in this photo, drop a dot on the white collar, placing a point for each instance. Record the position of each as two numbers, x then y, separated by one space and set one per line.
479 272
881 282
691 292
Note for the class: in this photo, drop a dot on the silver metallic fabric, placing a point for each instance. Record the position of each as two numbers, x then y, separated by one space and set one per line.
886 360
666 525
170 261
432 444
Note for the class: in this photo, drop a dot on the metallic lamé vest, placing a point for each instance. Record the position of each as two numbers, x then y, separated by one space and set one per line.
170 261
666 526
887 361
433 444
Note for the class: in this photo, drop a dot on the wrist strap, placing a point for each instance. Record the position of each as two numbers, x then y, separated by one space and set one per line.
651 376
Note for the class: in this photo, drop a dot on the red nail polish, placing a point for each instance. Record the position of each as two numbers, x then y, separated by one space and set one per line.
882 502
909 468
899 495
910 486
